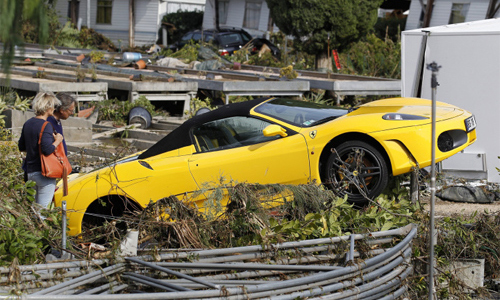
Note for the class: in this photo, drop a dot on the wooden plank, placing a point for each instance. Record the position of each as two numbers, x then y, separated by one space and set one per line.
113 131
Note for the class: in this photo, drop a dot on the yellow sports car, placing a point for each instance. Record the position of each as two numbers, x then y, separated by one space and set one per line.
275 140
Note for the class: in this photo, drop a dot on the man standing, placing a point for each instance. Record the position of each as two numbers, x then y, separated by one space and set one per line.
62 112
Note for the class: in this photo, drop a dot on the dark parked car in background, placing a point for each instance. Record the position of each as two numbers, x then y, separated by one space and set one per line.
227 40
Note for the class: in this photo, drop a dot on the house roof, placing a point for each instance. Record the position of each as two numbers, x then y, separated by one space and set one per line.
491 26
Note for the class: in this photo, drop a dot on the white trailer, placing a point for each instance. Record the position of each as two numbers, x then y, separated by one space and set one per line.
469 77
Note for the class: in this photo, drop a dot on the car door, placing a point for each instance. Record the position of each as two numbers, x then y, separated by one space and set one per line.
235 149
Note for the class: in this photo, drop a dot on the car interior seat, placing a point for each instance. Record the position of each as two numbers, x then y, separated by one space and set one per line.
204 143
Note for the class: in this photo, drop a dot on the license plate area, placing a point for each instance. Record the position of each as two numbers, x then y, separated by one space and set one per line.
470 123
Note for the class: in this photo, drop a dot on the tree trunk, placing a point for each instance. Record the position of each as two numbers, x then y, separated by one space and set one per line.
323 61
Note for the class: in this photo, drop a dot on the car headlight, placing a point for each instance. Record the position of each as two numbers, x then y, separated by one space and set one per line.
402 117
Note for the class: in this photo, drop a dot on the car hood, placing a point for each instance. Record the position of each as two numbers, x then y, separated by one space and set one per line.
409 106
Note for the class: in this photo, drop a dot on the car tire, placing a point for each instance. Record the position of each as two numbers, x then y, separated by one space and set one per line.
356 169
111 208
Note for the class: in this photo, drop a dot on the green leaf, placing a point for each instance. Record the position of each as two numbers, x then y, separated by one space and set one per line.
387 226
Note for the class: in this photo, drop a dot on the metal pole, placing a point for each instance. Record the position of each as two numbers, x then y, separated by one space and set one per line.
88 14
63 227
171 272
434 68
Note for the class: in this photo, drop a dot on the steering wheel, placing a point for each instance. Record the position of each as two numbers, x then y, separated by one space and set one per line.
299 119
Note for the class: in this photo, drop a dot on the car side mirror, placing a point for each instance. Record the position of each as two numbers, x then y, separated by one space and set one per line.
273 130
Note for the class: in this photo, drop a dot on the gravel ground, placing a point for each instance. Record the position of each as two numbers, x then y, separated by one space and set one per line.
444 208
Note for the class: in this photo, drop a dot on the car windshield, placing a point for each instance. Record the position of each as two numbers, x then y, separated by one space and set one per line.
246 37
196 36
230 38
299 113
208 37
187 37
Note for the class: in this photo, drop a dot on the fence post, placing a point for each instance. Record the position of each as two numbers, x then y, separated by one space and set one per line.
63 227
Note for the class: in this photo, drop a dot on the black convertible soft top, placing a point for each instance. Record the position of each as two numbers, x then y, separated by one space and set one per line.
180 137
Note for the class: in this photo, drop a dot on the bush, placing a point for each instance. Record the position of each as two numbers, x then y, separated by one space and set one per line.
373 56
117 111
31 29
183 22
25 237
69 36
390 28
89 38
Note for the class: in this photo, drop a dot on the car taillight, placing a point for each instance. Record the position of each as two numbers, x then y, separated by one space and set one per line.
254 49
223 52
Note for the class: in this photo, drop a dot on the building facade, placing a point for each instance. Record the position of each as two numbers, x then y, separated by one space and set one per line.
448 12
111 17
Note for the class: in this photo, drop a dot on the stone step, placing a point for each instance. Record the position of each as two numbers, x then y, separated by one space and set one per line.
140 144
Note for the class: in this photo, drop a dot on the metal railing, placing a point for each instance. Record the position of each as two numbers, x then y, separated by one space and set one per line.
327 268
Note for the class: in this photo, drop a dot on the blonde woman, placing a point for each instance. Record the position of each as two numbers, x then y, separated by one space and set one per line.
43 105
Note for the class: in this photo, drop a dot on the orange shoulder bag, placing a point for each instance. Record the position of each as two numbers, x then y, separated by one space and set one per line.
56 164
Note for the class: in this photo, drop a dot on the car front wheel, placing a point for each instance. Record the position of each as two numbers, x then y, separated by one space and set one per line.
356 169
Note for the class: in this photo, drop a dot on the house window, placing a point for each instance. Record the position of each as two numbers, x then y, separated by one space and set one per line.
252 14
223 8
104 11
458 12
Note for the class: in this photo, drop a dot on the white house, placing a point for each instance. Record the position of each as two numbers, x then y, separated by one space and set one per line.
254 16
111 17
251 15
449 12
172 6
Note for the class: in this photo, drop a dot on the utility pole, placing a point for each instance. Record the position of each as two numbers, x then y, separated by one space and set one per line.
428 13
217 26
493 7
131 18
88 14
432 265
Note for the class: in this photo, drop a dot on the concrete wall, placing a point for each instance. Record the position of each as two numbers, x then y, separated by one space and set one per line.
76 130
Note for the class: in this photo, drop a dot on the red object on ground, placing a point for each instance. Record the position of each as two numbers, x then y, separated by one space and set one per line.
336 58
140 64
85 113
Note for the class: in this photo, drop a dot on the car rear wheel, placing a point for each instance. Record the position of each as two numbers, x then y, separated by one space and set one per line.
358 170
112 209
